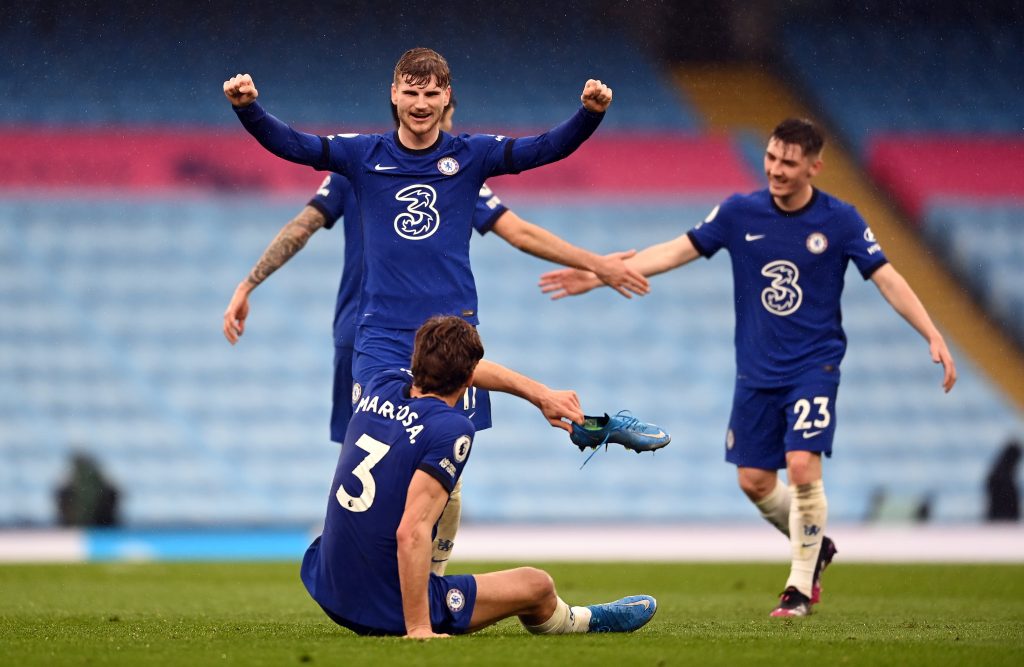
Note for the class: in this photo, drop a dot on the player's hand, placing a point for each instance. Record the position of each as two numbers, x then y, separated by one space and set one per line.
424 633
559 406
613 271
240 90
596 96
941 355
567 282
237 311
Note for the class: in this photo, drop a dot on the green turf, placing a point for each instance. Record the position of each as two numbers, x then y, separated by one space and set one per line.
709 614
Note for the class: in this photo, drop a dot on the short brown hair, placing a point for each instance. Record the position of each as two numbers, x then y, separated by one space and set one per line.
446 351
801 132
416 66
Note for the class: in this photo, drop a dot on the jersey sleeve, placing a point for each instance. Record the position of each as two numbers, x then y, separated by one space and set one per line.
488 209
861 245
330 198
712 233
524 153
447 450
281 140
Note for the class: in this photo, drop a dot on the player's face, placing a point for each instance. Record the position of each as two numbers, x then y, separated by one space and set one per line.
420 107
789 171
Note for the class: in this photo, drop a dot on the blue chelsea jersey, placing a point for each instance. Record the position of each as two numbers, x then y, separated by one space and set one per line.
335 199
788 274
352 569
417 206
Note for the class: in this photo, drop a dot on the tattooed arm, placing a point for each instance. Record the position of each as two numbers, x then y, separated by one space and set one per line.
291 239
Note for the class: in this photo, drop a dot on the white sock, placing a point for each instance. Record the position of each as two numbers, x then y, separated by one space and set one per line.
447 526
807 517
775 507
563 621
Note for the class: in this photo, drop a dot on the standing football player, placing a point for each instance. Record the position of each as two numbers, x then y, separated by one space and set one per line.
405 450
334 200
790 245
416 190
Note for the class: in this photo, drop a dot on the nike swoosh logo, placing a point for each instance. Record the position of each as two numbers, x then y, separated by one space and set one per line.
645 603
380 168
808 436
435 560
754 237
808 546
471 415
659 434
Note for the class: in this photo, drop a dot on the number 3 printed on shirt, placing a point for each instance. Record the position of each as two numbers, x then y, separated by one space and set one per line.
375 451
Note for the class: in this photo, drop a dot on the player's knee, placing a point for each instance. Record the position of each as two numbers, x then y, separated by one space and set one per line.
756 486
537 584
803 467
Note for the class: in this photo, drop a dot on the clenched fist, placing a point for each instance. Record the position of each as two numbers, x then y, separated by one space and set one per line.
596 96
240 90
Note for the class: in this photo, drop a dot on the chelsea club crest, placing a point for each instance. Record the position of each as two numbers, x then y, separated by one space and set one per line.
448 166
817 243
456 599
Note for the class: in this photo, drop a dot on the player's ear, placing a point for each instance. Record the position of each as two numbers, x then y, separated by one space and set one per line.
447 96
394 94
816 165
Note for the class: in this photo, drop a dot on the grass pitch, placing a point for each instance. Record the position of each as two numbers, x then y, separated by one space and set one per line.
708 614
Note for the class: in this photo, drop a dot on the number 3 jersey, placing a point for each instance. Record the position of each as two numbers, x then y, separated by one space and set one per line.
335 199
417 205
351 570
788 275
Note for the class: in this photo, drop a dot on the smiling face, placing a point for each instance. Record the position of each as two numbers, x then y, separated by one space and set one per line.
420 110
789 173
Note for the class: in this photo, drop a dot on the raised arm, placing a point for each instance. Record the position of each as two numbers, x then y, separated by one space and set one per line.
539 242
423 506
555 405
561 140
649 262
291 239
904 301
274 135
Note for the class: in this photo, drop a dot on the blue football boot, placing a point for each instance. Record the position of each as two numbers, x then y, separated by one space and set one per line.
623 429
625 615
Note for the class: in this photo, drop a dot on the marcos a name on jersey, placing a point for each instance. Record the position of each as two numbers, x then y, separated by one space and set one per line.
388 410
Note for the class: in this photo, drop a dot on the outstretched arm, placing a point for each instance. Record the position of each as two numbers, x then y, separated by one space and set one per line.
560 141
649 262
539 242
904 301
274 135
555 405
291 239
423 506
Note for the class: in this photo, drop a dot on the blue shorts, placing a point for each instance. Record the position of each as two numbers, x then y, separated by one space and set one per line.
341 405
767 423
378 349
452 600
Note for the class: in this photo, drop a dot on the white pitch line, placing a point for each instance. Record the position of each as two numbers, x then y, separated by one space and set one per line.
699 542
